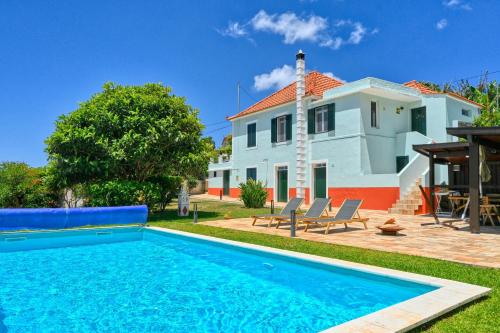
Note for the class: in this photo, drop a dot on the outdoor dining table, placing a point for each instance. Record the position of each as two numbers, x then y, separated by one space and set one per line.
495 198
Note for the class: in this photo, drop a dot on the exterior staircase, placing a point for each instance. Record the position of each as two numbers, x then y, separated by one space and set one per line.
411 202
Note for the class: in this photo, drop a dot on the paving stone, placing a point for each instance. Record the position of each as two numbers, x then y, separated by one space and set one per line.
421 237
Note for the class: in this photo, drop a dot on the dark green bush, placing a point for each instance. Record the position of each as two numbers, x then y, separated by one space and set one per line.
253 194
115 193
22 186
156 193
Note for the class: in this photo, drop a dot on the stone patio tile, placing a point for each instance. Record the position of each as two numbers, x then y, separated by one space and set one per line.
421 238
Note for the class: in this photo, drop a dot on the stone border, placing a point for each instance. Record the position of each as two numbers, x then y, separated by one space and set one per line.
400 317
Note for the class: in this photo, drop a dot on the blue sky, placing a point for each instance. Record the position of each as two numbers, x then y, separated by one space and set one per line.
55 54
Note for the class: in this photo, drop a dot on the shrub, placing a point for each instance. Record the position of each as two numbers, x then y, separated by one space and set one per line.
253 194
115 193
157 192
22 186
168 188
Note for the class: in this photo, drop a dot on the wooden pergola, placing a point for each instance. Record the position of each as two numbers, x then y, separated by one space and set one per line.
464 152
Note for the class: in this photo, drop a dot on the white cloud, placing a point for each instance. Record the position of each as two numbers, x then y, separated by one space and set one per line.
457 4
451 3
356 33
294 28
233 29
330 74
290 26
441 24
276 79
466 6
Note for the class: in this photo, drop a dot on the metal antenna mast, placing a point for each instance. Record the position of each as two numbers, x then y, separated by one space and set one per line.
238 88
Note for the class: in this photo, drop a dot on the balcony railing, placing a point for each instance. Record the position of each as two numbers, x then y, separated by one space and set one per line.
222 159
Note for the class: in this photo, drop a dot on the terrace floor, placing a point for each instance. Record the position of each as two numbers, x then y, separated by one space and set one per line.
421 237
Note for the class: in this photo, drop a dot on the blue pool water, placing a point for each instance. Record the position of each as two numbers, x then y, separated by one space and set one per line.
157 282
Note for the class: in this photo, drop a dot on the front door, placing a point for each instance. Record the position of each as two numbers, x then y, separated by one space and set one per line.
319 181
225 182
418 120
282 180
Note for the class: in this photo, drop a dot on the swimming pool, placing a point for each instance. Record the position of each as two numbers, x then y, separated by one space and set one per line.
144 280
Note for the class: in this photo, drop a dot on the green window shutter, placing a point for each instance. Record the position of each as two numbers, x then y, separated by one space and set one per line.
288 127
331 117
251 135
274 125
311 113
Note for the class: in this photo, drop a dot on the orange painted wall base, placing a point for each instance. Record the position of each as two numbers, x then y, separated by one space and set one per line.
233 192
292 193
214 190
378 198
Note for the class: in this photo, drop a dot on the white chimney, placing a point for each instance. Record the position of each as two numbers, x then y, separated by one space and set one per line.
301 127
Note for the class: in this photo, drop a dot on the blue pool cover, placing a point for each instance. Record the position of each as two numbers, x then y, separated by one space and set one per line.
61 218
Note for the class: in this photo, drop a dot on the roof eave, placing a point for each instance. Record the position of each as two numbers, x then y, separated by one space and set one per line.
238 116
464 99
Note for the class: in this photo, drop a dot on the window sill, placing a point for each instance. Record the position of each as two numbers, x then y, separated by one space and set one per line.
251 148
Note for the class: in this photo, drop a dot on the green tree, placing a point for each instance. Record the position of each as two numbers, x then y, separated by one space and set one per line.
226 147
214 153
24 187
128 133
486 93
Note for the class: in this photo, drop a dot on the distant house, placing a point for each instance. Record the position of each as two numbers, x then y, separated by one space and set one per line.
355 140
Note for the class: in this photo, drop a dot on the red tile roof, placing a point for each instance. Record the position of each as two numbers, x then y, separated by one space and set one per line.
465 99
421 87
316 84
428 91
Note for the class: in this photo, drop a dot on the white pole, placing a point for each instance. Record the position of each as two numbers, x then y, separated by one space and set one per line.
238 104
301 127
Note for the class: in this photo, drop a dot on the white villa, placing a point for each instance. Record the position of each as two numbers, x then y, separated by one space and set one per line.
321 137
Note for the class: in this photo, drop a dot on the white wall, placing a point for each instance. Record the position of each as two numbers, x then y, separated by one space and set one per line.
380 142
355 152
275 153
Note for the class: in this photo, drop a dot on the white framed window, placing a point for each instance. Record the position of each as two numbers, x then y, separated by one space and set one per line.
321 120
281 129
466 112
374 121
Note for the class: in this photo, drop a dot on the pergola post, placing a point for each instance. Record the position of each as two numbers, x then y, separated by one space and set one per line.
474 183
432 181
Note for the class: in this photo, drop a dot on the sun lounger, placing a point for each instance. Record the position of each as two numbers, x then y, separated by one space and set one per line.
293 204
348 213
317 210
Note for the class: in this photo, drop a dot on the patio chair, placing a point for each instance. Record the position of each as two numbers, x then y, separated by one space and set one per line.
317 210
348 213
293 204
487 210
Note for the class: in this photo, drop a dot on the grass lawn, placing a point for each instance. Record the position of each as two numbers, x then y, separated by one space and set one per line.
481 316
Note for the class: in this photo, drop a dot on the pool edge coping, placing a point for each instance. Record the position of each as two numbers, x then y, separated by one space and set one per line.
399 317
